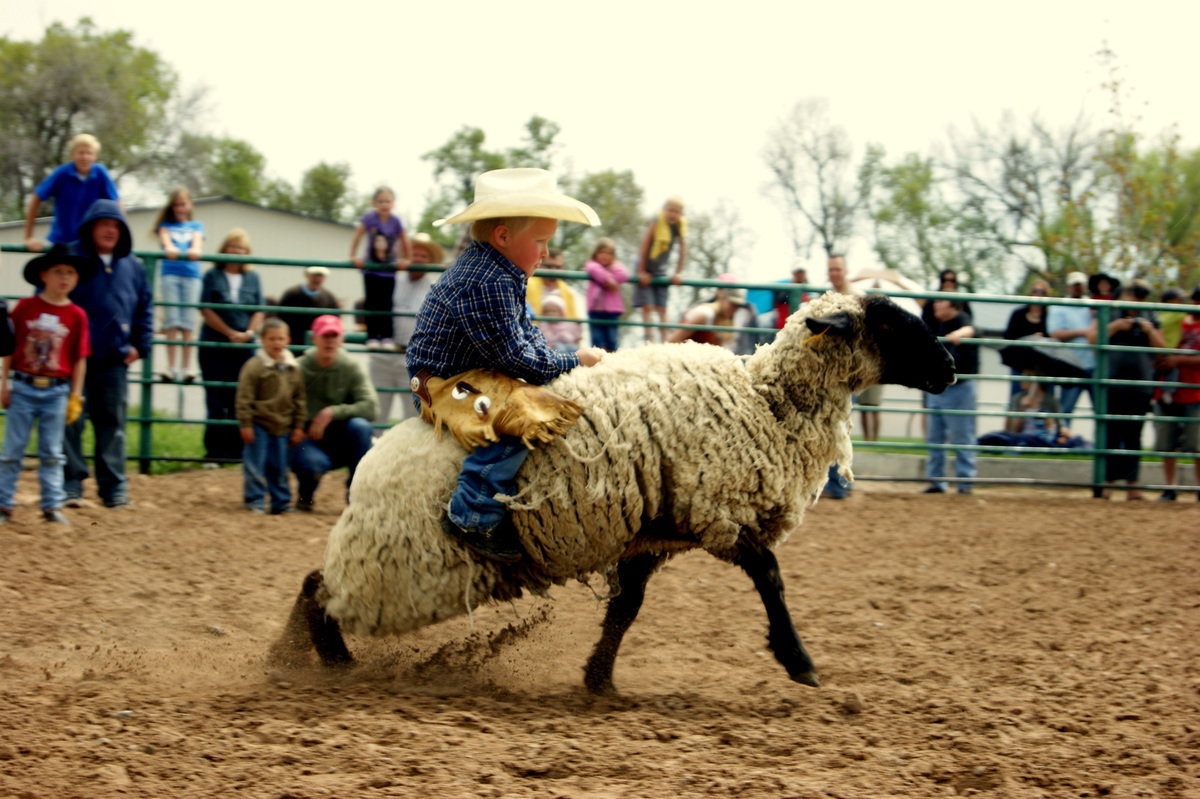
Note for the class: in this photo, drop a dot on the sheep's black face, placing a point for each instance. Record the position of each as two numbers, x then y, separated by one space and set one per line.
912 356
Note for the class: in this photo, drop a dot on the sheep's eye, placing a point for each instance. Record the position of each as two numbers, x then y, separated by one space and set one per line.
458 393
483 404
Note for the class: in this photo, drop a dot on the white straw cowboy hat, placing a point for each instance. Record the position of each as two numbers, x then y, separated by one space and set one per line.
436 254
521 192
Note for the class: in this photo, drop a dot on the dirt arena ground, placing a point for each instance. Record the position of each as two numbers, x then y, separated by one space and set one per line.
1018 643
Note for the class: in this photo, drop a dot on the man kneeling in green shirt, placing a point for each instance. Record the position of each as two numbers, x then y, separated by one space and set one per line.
341 405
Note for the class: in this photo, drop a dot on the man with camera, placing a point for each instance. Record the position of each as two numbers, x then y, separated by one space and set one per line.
1133 327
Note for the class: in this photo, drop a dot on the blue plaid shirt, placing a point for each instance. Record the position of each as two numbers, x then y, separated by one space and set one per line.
474 318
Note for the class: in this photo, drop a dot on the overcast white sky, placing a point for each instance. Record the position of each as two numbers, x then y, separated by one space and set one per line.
682 95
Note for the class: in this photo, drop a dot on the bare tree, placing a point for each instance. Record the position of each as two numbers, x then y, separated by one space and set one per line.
715 238
810 162
1028 191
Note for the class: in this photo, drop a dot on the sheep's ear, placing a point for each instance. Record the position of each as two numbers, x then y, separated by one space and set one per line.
839 324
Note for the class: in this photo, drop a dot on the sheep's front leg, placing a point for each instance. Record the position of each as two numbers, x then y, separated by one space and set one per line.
632 576
760 563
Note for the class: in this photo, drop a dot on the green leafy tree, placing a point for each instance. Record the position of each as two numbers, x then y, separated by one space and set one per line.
1146 221
455 165
916 230
458 161
1056 201
325 192
224 166
82 79
538 148
281 195
439 205
1149 215
613 193
237 169
617 198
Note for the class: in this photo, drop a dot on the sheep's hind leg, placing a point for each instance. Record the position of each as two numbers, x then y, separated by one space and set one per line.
308 625
760 563
632 576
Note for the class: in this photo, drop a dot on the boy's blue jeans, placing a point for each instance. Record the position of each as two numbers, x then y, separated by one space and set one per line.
487 471
47 407
265 470
951 430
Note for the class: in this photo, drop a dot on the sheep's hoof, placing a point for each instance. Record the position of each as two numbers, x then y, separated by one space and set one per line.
807 678
336 660
601 689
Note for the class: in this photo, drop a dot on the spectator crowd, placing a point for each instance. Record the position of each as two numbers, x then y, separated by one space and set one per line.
282 395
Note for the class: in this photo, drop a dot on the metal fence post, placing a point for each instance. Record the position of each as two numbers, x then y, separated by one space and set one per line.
146 426
1100 398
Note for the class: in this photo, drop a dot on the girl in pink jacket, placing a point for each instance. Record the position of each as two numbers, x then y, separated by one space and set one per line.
604 302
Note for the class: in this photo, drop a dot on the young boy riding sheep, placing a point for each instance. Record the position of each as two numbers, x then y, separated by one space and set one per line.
474 319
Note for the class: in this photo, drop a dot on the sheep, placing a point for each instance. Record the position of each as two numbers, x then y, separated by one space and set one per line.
679 447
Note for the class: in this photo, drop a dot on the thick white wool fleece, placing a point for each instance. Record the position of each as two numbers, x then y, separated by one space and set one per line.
718 445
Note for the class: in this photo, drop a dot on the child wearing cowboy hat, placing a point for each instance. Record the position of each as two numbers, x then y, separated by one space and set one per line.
42 381
474 317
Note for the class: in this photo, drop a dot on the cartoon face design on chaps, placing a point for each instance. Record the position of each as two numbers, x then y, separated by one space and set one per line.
480 405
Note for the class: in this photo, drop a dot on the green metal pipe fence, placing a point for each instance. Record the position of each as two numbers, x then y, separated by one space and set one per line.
1103 309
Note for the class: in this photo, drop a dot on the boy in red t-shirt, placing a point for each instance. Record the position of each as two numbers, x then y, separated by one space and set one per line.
42 381
1182 403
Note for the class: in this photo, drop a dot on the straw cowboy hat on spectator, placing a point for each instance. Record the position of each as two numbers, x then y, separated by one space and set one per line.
504 193
436 254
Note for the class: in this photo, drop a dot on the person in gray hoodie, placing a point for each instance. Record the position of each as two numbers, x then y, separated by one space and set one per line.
121 323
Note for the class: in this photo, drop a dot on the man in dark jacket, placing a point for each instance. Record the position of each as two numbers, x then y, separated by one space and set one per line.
121 324
309 294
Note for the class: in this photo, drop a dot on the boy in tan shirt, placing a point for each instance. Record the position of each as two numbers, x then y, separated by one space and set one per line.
270 411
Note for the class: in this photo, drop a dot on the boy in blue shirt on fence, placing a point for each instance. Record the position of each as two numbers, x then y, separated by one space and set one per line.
73 187
474 318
